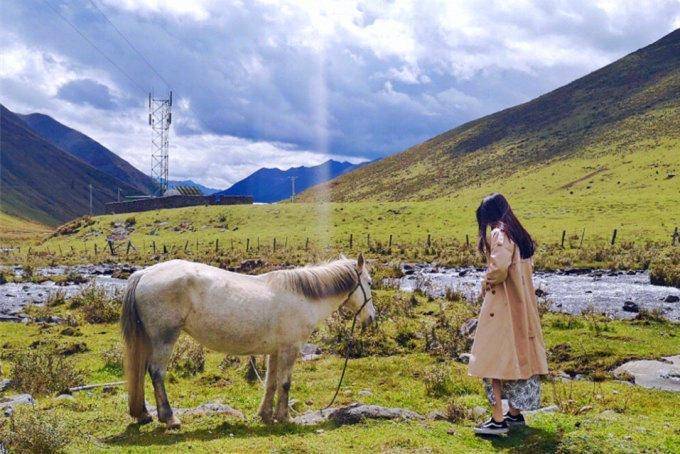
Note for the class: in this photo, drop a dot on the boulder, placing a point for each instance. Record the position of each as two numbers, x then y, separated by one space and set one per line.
664 374
630 306
468 328
354 413
210 408
7 404
4 384
464 358
310 352
671 299
540 292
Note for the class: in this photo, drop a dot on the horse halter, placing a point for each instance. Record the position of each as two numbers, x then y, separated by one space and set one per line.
360 285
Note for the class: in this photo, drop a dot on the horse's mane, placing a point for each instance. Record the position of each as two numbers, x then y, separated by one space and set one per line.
317 281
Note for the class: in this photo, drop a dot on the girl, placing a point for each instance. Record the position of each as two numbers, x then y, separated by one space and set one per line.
508 351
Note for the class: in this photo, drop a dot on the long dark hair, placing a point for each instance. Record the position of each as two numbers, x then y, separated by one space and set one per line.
495 211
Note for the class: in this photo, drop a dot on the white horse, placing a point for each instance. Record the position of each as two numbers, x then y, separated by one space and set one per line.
272 314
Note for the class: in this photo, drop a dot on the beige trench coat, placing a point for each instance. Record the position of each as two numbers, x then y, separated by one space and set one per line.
508 342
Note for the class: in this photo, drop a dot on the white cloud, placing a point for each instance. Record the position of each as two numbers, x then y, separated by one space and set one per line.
292 82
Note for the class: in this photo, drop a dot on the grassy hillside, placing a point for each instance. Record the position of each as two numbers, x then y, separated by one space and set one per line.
44 183
623 112
13 229
90 151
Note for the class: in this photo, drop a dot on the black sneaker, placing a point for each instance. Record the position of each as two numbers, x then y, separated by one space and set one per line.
514 421
492 427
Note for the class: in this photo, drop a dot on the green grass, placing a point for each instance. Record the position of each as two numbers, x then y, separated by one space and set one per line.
608 416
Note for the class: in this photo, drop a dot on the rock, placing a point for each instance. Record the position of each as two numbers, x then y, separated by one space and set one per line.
211 408
451 431
548 409
462 273
464 358
312 418
630 306
540 292
365 393
7 404
4 384
663 374
65 397
407 269
672 299
310 352
468 328
354 413
436 415
250 265
478 412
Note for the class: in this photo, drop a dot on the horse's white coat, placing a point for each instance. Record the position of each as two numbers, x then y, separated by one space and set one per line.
237 314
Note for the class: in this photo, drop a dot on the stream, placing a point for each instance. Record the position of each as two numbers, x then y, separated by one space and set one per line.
569 291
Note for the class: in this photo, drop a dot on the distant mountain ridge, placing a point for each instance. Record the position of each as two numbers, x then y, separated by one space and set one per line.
204 189
41 182
89 150
272 185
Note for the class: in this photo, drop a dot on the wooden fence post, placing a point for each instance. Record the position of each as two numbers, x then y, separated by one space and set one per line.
111 248
127 250
467 240
258 244
153 247
351 240
368 240
307 244
95 249
390 243
564 233
429 240
285 243
583 234
247 244
274 245
217 244
613 237
675 237
186 246
165 249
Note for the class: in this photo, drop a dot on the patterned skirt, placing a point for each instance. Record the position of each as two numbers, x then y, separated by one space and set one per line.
521 394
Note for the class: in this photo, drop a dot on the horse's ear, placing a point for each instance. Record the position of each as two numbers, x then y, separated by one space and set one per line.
360 261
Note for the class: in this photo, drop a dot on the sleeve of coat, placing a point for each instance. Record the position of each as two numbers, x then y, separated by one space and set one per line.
500 258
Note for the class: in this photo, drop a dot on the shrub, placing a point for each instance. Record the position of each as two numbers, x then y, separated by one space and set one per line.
664 269
96 305
188 358
113 358
33 431
438 381
56 298
43 371
456 411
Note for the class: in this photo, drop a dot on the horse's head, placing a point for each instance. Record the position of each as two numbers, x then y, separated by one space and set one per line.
361 300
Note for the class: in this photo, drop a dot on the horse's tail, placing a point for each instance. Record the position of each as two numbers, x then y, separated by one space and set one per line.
137 348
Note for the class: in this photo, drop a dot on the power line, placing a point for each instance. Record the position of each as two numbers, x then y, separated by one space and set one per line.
130 44
82 35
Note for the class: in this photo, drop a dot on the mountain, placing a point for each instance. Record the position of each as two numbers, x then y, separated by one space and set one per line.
89 150
204 189
621 111
41 182
273 185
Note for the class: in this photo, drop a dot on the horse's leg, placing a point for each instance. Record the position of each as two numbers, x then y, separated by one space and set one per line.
158 363
267 405
284 369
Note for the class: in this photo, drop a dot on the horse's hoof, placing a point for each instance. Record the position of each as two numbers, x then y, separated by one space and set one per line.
267 419
144 419
173 423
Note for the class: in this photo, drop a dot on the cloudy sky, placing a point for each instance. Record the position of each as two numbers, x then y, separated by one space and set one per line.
283 83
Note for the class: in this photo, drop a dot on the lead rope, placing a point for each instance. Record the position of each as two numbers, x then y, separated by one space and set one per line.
351 340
